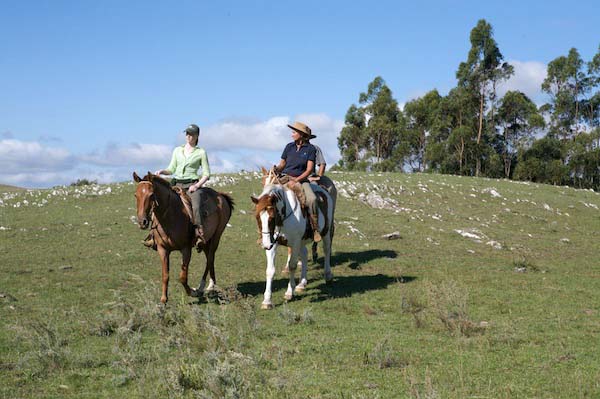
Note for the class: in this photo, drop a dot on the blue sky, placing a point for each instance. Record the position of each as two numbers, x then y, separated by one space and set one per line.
98 89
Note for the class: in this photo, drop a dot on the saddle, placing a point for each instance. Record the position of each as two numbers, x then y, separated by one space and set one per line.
321 204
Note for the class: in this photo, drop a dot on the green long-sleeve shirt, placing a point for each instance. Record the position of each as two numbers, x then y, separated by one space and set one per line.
186 167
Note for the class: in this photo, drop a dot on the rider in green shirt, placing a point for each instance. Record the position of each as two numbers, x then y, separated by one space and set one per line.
184 165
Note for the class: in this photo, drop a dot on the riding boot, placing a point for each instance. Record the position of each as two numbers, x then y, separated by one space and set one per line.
200 242
314 222
149 241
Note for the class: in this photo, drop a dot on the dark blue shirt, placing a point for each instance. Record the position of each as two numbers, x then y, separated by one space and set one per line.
296 160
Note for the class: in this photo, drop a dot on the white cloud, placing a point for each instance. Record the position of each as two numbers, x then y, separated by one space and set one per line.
17 157
232 146
270 134
528 79
133 154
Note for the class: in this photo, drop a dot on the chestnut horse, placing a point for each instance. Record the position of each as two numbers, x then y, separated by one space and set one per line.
168 211
281 220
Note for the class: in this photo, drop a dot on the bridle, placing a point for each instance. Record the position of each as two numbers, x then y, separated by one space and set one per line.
279 220
155 207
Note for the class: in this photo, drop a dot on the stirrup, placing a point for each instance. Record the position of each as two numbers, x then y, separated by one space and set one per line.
149 241
316 236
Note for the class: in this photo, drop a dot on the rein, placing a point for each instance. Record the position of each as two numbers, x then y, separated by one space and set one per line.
275 235
154 214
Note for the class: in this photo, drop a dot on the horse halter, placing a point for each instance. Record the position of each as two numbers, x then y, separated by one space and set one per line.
278 220
154 205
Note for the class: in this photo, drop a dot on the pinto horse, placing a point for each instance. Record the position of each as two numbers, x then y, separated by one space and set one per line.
271 177
281 220
168 211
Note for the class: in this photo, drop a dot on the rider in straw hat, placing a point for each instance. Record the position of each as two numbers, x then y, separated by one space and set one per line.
298 162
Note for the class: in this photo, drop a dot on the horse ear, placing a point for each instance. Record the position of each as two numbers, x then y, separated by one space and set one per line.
264 171
254 199
136 178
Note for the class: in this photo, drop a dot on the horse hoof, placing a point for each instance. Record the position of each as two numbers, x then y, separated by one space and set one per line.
288 297
299 289
266 306
195 293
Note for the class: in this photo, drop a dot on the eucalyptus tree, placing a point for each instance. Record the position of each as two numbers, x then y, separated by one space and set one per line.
566 82
542 162
383 118
353 140
518 119
584 160
422 117
451 147
592 105
480 75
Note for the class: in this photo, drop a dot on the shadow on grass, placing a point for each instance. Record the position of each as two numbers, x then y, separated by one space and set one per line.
255 288
356 259
346 286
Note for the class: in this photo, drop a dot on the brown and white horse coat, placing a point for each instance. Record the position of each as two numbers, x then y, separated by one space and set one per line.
281 219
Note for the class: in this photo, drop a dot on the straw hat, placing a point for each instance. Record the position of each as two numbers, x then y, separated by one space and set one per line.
302 129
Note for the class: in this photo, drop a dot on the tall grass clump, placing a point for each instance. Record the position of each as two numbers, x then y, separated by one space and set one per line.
207 363
383 356
447 302
46 347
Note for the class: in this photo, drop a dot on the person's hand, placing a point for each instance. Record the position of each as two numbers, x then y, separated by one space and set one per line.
192 188
157 172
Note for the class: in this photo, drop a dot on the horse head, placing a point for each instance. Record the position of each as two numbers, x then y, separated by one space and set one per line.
145 199
268 217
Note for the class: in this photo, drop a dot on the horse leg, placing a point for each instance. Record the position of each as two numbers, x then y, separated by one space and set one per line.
286 269
200 289
315 254
210 265
327 253
266 303
292 278
186 256
164 257
303 262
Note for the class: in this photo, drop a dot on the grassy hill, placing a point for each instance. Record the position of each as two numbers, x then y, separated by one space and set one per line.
491 290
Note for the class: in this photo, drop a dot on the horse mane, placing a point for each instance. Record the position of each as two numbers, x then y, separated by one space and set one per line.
166 185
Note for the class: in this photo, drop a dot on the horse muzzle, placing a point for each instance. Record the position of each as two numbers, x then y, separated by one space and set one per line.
144 223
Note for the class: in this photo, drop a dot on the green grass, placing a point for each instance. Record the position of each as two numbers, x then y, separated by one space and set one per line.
433 314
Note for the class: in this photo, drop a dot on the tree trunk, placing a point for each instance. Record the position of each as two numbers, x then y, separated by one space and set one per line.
479 132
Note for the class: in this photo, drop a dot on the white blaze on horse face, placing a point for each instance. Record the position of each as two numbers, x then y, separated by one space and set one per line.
265 233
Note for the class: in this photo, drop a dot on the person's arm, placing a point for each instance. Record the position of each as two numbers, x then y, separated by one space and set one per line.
279 167
172 165
321 171
205 173
310 166
200 183
320 160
